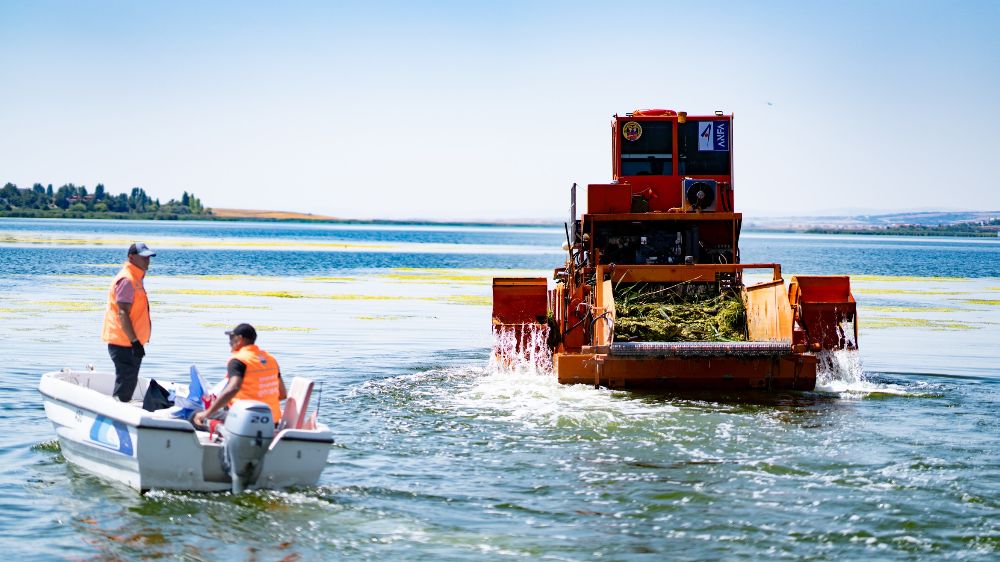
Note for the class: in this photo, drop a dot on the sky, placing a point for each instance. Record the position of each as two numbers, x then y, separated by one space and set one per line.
479 110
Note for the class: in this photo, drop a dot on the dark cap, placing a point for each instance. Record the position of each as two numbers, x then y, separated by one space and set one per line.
244 330
142 249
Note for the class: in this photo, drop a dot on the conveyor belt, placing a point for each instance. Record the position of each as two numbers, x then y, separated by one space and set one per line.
701 349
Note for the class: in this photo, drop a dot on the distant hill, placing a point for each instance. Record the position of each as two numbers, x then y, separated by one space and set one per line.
924 223
923 218
271 215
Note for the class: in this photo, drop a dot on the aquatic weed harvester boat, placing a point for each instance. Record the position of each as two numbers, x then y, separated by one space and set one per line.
652 294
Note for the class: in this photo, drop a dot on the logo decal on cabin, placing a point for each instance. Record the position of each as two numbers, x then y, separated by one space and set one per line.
713 136
632 131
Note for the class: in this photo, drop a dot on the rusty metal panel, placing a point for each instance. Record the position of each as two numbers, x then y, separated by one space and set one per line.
769 315
825 308
679 374
520 300
604 313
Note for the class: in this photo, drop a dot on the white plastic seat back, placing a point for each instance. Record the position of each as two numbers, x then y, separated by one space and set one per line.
297 403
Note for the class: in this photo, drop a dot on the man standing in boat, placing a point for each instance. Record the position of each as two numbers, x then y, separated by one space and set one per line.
126 322
251 374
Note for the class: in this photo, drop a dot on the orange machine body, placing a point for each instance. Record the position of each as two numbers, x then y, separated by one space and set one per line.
667 218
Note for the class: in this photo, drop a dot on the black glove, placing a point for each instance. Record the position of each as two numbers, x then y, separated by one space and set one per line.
137 350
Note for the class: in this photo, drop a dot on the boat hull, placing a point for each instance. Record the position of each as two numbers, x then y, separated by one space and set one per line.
123 443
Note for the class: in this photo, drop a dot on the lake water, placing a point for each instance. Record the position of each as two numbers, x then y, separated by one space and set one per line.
440 457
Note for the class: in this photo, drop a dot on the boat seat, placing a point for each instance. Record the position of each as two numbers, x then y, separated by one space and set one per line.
311 421
296 404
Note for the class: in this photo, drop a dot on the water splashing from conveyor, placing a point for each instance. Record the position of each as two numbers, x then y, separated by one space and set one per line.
848 334
840 371
521 348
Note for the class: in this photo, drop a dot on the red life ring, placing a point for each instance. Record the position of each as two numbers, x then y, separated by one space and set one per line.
654 113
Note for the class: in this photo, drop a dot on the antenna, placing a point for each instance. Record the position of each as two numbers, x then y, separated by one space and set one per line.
571 236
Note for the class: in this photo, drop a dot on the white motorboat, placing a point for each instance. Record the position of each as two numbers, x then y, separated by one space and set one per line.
151 450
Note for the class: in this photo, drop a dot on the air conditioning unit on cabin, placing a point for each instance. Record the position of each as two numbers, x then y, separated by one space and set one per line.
699 195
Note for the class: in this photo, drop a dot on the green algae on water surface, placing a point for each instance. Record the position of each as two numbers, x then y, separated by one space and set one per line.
356 297
47 446
904 278
438 278
288 294
70 306
241 293
99 287
907 292
262 327
330 279
228 277
889 308
891 322
474 300
228 306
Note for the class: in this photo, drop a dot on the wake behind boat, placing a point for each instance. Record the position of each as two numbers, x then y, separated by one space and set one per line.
151 450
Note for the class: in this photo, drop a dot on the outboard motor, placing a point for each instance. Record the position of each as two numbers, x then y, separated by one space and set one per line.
247 433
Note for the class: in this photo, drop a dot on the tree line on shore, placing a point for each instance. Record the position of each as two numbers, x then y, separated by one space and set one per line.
76 201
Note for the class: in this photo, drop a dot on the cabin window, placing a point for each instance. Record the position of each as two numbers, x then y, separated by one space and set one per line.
693 161
652 153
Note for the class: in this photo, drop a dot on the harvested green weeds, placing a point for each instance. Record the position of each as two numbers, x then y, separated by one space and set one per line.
658 313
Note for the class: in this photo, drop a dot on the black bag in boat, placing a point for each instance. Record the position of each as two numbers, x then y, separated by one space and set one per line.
156 398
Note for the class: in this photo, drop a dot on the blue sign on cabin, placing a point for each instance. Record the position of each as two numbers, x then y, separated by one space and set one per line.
713 136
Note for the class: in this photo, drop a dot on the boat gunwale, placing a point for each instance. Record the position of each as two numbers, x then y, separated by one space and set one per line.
146 421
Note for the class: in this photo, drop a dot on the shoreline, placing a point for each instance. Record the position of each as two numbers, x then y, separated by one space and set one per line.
233 215
256 215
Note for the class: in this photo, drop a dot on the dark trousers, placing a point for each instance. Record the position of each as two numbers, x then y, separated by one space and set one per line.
126 371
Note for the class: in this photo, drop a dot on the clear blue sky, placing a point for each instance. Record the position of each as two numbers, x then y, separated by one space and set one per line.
482 110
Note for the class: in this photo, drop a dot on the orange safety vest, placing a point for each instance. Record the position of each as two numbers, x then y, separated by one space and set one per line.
113 332
261 381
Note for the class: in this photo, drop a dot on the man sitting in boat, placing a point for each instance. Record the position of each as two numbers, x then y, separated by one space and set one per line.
252 374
